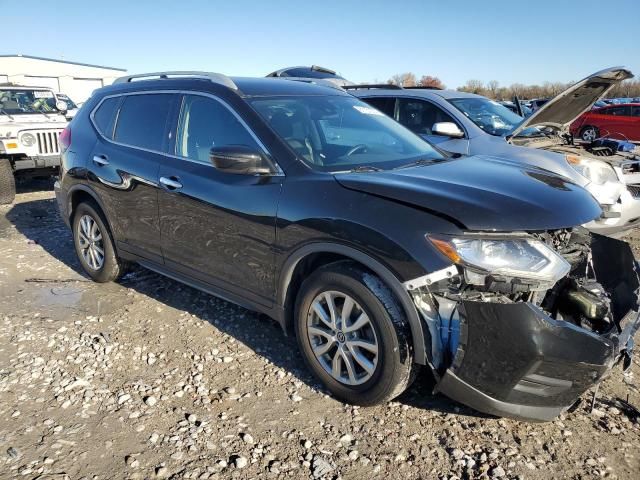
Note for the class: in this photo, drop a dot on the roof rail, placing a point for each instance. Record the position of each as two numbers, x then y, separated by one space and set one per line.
425 87
389 86
214 77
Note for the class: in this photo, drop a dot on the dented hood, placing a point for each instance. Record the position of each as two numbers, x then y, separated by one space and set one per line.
563 109
483 193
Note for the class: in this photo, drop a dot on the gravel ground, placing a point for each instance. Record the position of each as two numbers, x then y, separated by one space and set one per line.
148 378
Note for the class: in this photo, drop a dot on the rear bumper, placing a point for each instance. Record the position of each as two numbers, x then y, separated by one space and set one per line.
37 162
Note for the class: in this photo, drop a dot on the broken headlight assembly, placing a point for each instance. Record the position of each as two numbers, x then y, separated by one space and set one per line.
597 171
507 264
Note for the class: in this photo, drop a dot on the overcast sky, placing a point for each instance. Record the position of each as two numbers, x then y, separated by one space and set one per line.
456 40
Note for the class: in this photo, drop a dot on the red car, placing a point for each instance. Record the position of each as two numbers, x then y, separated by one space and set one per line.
614 121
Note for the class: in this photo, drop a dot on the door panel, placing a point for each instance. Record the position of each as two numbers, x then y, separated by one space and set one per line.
124 167
128 186
220 227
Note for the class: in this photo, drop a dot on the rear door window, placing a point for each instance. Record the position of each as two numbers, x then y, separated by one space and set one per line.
619 111
420 115
635 111
142 121
386 105
104 116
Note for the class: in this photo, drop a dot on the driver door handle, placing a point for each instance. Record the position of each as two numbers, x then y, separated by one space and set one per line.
100 160
170 183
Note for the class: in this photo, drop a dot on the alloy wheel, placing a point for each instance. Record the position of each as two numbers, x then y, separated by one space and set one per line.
90 242
342 338
589 134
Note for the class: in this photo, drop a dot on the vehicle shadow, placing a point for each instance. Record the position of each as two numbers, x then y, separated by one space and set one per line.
40 222
34 184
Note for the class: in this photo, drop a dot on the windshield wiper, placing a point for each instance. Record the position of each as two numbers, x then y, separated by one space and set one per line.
2 110
418 163
365 168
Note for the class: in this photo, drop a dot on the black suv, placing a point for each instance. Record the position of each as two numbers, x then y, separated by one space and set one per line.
379 251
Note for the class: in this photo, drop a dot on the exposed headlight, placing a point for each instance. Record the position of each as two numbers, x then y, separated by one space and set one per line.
597 171
27 139
527 259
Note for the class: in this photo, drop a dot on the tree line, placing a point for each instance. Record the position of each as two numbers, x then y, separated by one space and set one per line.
493 89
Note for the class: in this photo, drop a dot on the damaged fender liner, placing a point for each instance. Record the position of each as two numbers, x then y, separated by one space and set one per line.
513 360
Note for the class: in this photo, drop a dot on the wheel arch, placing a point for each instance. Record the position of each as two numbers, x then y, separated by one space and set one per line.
312 256
81 192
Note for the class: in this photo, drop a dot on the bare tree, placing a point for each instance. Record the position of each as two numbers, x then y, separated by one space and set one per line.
407 79
429 81
493 87
473 86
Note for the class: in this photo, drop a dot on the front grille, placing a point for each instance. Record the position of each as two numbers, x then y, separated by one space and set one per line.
634 190
48 143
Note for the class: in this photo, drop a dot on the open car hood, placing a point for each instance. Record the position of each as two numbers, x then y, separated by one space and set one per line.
564 108
483 193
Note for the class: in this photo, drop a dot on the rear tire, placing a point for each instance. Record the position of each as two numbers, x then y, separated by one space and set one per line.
7 182
94 244
374 361
589 133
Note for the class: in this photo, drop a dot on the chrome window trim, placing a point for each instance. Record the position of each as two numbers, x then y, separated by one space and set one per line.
278 171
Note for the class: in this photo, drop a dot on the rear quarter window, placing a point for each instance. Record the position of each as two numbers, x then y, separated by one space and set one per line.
103 116
142 120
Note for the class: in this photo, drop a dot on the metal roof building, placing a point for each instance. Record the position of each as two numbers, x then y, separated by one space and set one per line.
77 80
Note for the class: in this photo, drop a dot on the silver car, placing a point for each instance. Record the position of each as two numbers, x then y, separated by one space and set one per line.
469 124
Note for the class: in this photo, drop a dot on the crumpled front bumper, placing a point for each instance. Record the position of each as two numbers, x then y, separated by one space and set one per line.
514 360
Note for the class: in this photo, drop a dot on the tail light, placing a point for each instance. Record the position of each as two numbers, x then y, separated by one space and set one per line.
65 139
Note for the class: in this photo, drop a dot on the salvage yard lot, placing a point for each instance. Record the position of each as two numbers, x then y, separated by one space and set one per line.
149 378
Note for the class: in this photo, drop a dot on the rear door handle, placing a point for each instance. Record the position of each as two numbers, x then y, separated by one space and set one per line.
100 160
170 183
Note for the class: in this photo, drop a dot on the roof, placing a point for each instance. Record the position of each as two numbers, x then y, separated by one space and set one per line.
412 92
62 61
246 87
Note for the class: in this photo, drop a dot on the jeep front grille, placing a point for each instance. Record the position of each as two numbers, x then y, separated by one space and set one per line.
48 142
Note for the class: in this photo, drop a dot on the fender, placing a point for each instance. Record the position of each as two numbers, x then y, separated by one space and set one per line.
396 286
84 188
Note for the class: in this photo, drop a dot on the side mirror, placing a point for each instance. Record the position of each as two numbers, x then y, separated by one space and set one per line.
61 106
239 159
447 129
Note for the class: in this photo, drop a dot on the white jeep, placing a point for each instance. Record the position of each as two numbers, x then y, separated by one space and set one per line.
31 121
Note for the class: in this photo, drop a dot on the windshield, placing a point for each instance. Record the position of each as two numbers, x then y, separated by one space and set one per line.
15 102
490 116
337 133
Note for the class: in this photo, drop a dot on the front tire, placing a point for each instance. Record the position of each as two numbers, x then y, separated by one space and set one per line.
7 183
589 133
353 335
94 244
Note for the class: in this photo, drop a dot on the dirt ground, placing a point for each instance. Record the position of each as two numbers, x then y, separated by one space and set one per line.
148 378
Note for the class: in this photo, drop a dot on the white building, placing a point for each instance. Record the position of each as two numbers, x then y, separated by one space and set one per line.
77 80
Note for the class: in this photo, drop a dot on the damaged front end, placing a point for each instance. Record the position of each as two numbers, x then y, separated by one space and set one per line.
522 325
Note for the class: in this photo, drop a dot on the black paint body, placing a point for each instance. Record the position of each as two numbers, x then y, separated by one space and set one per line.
242 237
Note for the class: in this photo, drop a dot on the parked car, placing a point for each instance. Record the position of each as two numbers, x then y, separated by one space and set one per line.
313 72
470 124
526 111
381 252
537 103
31 120
621 121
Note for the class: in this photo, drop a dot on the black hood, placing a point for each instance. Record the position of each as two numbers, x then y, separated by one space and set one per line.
483 193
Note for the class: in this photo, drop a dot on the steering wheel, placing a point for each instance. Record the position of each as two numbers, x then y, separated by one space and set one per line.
358 147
